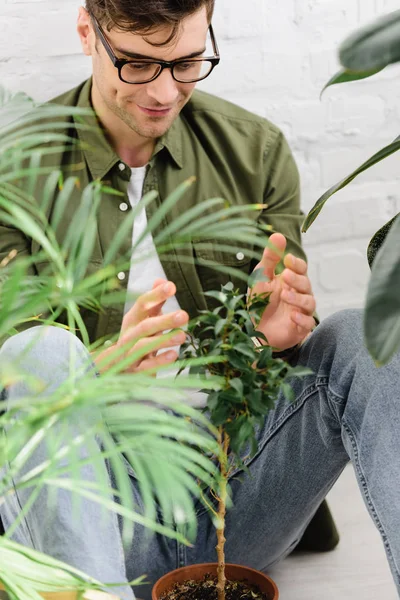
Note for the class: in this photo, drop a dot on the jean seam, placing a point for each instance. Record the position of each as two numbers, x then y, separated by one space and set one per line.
114 518
364 486
334 401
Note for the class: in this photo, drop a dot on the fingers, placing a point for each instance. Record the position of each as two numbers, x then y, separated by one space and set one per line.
158 282
272 256
295 275
305 302
298 265
156 310
149 303
150 345
154 363
305 323
154 326
298 292
145 351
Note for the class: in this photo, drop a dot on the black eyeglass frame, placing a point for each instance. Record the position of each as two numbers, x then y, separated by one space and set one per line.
119 63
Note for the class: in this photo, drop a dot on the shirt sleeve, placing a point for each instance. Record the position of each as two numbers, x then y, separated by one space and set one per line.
282 194
14 245
14 241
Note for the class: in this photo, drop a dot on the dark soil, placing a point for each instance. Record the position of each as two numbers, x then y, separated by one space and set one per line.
206 590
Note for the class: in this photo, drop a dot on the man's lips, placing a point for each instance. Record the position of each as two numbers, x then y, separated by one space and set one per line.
155 112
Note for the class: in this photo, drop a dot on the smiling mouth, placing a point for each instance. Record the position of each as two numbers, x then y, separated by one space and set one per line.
155 112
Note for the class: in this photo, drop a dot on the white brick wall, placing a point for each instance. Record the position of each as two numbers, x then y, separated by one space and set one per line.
277 55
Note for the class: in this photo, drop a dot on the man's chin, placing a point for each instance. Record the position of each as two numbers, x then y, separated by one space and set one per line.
153 132
153 127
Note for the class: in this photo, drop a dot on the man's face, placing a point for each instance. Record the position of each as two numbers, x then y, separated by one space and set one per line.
148 109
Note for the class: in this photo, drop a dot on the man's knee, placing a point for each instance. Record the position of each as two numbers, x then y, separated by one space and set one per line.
47 353
344 325
339 338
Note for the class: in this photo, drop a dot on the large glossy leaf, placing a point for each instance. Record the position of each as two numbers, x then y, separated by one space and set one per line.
374 46
345 76
376 158
382 312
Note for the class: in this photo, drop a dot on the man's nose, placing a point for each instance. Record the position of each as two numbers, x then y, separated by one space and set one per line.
163 89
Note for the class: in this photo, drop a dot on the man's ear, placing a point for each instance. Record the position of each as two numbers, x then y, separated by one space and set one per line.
85 31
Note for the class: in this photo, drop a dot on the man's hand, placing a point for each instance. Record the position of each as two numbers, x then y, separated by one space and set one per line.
288 318
143 326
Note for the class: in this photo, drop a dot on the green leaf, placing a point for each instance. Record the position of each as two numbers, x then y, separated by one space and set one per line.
253 448
220 414
126 227
240 432
237 385
288 392
236 362
212 400
374 46
62 201
376 158
382 312
256 276
264 357
219 326
158 216
246 350
220 296
256 404
228 287
345 76
300 371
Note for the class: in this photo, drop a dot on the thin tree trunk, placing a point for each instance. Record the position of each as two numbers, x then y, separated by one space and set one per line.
221 516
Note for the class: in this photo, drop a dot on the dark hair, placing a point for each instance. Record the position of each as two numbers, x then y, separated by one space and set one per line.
146 16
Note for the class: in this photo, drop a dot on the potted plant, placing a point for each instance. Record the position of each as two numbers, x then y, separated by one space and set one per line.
28 299
252 378
363 54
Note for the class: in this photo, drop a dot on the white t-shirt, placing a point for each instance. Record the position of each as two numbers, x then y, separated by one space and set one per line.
146 266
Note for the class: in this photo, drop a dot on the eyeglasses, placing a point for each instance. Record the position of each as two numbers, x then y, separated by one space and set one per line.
144 70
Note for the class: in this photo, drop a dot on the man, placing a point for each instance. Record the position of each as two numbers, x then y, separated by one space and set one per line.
155 133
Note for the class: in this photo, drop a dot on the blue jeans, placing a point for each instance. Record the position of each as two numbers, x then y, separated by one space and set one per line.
346 410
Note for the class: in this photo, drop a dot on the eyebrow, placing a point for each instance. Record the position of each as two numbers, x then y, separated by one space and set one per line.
136 55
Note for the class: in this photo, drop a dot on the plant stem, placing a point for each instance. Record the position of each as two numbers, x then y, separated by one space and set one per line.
224 442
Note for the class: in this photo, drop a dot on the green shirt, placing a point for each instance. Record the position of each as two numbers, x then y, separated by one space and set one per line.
232 153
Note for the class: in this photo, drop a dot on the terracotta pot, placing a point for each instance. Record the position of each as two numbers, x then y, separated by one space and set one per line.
233 573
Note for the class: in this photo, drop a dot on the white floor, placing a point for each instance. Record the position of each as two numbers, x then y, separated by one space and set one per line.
356 570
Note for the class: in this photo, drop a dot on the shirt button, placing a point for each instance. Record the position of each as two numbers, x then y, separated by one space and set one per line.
121 167
123 207
121 276
240 256
108 343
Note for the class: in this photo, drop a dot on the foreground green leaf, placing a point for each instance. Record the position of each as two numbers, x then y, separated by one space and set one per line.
346 76
374 46
382 312
375 159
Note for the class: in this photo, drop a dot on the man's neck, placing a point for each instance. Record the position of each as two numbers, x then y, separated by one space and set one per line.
133 149
133 152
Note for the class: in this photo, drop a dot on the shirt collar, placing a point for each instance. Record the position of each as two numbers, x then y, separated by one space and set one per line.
172 142
100 155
